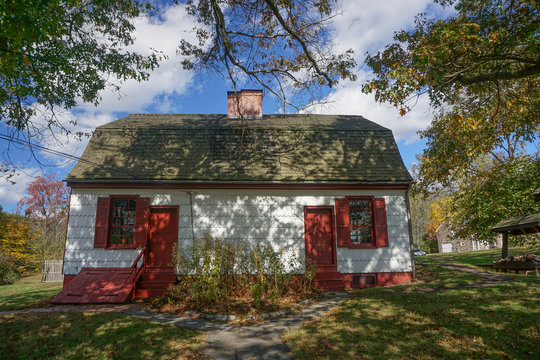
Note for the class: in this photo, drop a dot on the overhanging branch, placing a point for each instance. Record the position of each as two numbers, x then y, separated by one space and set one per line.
499 75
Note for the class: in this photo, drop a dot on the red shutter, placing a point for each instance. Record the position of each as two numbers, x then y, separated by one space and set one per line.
102 222
342 220
142 216
381 229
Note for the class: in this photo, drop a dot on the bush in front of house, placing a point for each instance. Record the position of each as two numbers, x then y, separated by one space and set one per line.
8 270
221 276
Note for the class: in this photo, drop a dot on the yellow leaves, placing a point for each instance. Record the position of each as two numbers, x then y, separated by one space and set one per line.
16 241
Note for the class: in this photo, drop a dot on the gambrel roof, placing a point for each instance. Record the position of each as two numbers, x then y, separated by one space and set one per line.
213 148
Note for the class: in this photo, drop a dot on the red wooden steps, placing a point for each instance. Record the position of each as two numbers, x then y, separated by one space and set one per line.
98 285
328 279
329 284
154 281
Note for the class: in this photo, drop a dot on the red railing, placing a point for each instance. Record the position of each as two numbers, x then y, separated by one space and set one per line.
140 270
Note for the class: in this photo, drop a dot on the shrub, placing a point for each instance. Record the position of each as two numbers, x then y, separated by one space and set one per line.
217 273
8 270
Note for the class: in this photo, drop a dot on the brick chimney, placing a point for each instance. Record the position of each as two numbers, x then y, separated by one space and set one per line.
245 102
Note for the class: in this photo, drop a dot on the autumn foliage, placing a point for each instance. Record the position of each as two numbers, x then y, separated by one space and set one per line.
45 208
16 242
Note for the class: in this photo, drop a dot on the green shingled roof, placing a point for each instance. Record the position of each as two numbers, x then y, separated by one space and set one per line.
213 148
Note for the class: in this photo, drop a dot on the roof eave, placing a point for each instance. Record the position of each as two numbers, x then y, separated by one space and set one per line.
116 183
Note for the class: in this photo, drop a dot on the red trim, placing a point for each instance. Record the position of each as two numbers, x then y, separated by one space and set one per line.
142 217
342 222
67 279
121 246
101 229
379 223
393 278
67 227
128 197
381 279
109 227
342 207
194 185
359 246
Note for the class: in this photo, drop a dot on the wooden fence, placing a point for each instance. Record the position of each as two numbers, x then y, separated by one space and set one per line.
52 271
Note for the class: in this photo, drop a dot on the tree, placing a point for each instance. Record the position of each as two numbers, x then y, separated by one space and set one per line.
480 68
284 46
493 194
16 243
58 53
419 218
45 207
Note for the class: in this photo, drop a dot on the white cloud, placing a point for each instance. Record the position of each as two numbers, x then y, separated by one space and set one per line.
367 25
166 82
348 99
363 26
169 78
10 194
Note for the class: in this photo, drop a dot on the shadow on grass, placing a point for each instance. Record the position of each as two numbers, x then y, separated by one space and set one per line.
494 322
93 335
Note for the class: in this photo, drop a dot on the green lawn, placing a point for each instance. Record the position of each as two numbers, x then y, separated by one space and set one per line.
29 292
90 335
474 257
77 335
499 322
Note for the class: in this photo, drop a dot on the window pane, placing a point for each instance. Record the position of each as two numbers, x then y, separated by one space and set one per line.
122 221
360 221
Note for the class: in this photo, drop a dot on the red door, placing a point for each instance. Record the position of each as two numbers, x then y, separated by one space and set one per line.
320 243
163 236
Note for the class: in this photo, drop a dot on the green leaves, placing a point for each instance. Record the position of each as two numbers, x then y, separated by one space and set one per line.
55 54
486 41
494 194
481 70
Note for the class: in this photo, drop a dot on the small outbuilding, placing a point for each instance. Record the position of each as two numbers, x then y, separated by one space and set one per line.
518 225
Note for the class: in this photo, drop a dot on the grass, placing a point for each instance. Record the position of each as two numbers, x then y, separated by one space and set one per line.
29 292
432 276
498 322
484 257
94 335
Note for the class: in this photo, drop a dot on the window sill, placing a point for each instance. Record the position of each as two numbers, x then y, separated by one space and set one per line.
121 247
359 246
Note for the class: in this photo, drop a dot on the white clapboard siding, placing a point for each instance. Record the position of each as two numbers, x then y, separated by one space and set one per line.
273 217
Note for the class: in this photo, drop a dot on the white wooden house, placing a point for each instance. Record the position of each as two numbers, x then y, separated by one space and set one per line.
330 188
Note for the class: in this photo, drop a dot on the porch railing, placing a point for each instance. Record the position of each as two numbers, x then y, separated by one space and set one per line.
139 270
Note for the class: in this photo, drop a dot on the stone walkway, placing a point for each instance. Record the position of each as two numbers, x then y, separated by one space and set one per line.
262 341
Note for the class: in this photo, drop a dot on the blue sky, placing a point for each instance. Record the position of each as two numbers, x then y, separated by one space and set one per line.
363 25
